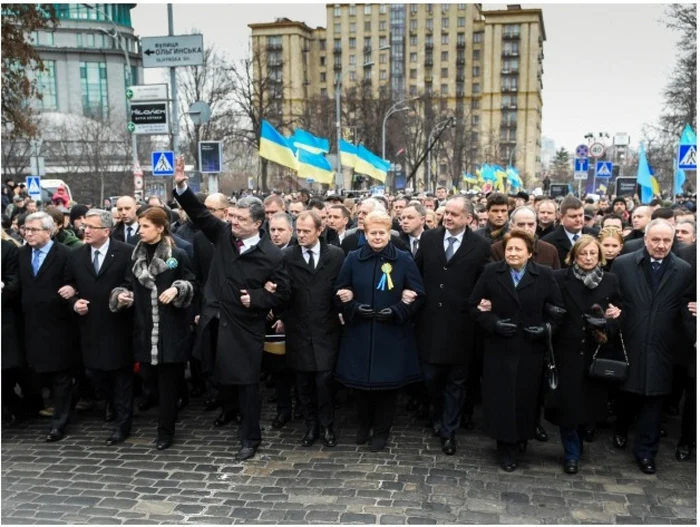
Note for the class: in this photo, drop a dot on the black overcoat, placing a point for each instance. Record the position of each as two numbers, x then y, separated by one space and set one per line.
513 366
312 327
106 337
12 353
446 331
560 240
579 398
652 320
51 342
241 330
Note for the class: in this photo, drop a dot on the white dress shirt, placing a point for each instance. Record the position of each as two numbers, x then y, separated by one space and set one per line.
456 244
249 243
571 235
316 251
102 251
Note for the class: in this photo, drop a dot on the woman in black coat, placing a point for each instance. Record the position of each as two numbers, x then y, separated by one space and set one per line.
611 242
160 286
591 297
378 352
518 292
12 356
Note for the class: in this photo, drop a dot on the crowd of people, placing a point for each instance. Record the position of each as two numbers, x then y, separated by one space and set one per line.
454 300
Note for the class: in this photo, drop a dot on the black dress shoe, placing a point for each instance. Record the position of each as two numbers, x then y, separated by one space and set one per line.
507 464
109 413
328 437
619 441
436 428
280 420
182 402
522 447
54 435
210 405
245 453
362 436
449 446
468 422
225 417
571 466
647 465
540 434
310 436
589 436
377 444
116 438
683 452
162 444
146 404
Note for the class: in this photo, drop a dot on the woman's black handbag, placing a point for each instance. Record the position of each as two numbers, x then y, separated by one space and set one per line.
551 368
610 369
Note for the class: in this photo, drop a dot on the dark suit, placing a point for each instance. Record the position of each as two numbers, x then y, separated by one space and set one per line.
106 338
544 254
118 233
688 253
561 241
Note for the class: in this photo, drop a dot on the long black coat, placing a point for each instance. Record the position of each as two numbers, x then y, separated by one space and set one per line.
106 338
513 366
560 240
203 254
374 354
148 281
241 330
311 322
581 399
49 335
652 320
118 233
12 354
446 331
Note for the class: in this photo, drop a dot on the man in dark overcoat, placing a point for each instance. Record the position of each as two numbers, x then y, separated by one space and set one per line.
312 326
106 338
450 259
236 303
655 286
570 229
51 346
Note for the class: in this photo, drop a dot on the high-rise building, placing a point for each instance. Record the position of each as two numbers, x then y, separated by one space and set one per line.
484 66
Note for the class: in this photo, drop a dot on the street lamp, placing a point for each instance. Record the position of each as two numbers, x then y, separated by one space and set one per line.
388 114
439 126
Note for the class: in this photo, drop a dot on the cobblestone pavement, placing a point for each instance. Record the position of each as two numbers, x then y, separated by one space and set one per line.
80 480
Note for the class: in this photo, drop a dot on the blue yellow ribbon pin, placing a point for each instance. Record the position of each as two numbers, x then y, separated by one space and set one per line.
386 278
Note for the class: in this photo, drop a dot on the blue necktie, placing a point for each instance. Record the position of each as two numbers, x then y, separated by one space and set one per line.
36 261
449 253
655 266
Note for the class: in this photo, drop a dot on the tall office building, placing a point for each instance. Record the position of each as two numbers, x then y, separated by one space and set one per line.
484 66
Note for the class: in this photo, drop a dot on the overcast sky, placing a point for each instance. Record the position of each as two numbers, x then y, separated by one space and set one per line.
605 66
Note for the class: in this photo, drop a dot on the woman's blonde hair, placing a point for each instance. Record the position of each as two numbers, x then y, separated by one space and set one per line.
584 241
7 237
379 217
611 232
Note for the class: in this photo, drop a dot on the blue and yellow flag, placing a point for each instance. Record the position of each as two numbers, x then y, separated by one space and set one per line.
644 177
371 165
470 178
314 166
348 154
275 147
309 142
514 177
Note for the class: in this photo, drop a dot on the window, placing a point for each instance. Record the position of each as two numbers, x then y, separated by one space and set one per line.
476 54
382 42
368 26
353 60
323 61
478 37
443 73
353 76
351 10
368 9
429 24
134 76
445 22
336 28
428 88
443 105
368 42
476 71
382 25
93 84
413 25
476 88
412 90
445 8
414 74
353 43
461 21
414 57
511 47
322 44
368 74
324 92
444 56
511 29
46 85
461 7
382 9
42 38
475 120
460 39
475 104
382 58
353 27
382 75
79 40
445 39
429 8
443 89
336 44
89 40
336 11
429 41
413 40
414 9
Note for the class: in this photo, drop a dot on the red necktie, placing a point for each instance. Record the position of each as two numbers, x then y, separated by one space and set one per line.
239 245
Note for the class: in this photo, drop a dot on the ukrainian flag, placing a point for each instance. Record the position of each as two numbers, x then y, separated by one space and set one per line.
488 173
471 179
314 166
309 142
371 165
348 154
514 177
655 186
275 147
602 188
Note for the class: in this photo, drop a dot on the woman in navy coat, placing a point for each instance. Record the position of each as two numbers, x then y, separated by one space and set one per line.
378 352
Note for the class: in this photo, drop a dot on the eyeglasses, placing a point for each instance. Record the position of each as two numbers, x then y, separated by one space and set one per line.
33 230
91 228
215 209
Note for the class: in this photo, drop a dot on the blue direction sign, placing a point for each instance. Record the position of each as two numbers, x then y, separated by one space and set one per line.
163 163
603 169
34 187
581 164
687 155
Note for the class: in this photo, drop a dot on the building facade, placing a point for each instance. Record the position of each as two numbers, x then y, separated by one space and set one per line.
483 66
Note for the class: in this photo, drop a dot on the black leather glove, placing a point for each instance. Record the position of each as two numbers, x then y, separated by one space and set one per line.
505 328
596 322
385 315
534 333
557 313
365 311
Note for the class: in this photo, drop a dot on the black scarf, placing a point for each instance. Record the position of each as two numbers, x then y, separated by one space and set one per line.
591 279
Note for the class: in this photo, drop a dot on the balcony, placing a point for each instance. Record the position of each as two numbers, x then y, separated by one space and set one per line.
337 51
367 82
510 71
429 79
511 35
337 67
460 62
367 49
509 124
505 141
368 64
509 106
274 47
274 64
428 45
428 62
509 89
461 45
460 78
510 53
460 94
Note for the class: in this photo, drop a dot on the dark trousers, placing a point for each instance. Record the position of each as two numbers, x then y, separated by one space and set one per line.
376 409
679 383
648 431
63 388
30 402
164 380
250 407
688 421
283 378
446 385
572 441
116 387
315 389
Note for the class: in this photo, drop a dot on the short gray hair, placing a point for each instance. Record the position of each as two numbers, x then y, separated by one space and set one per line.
254 205
689 222
467 204
378 205
520 209
47 223
420 209
659 221
105 216
282 216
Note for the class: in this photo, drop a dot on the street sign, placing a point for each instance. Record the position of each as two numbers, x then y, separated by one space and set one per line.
163 163
558 189
580 176
687 157
210 161
172 51
149 118
147 92
581 164
603 169
582 151
597 150
625 186
34 187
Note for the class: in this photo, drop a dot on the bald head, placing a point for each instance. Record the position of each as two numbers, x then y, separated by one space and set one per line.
126 208
641 216
216 204
524 218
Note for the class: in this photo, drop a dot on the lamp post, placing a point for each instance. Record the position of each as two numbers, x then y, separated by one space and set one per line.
388 114
439 126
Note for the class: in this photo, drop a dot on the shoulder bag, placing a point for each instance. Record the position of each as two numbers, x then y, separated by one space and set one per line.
551 367
610 369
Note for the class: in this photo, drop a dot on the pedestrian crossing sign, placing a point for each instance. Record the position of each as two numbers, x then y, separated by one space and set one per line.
687 155
163 163
603 169
34 187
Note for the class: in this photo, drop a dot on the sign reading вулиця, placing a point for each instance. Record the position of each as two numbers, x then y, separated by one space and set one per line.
172 51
